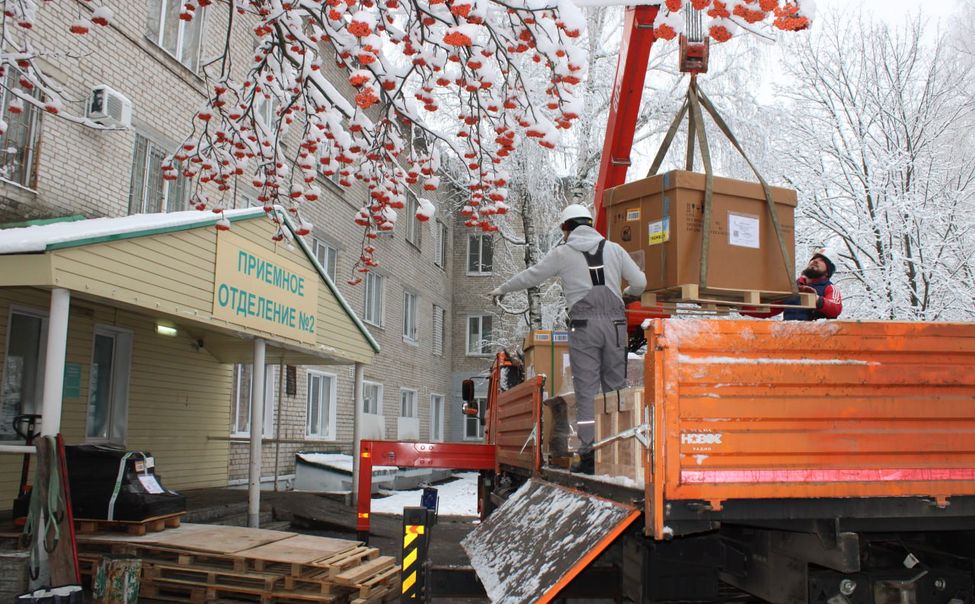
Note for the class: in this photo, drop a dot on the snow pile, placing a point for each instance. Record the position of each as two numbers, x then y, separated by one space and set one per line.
337 461
457 498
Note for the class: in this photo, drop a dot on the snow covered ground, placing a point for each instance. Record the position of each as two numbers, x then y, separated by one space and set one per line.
457 497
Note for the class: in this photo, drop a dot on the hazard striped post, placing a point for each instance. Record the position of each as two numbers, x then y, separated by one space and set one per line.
415 540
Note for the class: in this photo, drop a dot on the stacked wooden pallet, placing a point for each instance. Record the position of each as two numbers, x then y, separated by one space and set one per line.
132 527
201 563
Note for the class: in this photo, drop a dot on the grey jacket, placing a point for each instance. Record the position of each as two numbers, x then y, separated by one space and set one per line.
565 262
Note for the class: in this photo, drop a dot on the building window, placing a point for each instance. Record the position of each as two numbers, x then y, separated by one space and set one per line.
243 395
148 192
108 386
18 142
179 38
479 335
440 256
436 417
409 317
320 420
372 398
479 254
473 429
413 230
439 320
407 403
23 370
374 299
326 255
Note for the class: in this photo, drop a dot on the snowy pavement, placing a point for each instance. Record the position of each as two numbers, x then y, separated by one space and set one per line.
457 497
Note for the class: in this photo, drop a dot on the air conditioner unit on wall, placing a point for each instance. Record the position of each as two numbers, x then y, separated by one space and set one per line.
109 107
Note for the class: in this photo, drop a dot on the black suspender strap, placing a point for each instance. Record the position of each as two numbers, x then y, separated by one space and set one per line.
595 262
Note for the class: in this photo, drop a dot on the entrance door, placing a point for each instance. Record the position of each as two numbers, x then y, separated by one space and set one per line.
23 370
108 392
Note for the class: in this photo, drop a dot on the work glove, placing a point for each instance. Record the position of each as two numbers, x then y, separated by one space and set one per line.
496 297
628 299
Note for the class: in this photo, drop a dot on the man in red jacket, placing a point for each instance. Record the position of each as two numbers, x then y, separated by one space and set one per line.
815 279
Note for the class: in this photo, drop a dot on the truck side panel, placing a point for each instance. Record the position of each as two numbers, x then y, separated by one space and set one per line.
773 409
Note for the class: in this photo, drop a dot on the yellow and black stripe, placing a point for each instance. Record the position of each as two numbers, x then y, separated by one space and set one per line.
414 552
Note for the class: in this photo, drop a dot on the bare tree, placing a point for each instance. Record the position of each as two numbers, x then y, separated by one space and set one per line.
878 149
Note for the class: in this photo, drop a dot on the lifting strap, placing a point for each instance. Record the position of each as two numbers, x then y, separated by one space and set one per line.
693 102
595 262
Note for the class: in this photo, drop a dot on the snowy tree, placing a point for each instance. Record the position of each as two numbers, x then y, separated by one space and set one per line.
395 54
501 71
879 149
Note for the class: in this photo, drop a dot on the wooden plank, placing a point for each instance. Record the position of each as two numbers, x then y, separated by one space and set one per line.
359 574
297 551
386 580
213 576
340 562
222 539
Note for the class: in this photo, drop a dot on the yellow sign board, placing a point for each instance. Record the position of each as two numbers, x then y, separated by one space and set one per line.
255 288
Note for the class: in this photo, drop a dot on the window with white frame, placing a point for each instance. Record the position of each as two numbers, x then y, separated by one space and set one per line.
320 417
265 110
23 369
436 417
440 254
243 395
149 193
409 317
176 36
479 254
413 230
407 403
374 299
479 335
439 320
326 255
473 429
18 142
106 418
372 398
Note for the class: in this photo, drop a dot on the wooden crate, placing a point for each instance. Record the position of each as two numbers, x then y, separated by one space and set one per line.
623 457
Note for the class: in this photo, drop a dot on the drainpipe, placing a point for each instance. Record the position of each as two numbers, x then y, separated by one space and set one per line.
356 429
257 426
57 342
277 422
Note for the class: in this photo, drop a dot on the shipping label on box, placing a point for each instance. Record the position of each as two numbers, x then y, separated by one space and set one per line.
633 214
659 231
744 230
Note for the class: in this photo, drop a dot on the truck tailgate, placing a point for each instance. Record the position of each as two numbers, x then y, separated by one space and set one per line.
775 409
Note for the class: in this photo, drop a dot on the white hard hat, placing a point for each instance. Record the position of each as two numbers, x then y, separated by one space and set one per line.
574 211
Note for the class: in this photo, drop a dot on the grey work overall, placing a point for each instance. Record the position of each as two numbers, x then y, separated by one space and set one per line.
597 346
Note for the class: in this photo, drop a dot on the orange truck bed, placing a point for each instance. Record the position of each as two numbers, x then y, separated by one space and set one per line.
777 410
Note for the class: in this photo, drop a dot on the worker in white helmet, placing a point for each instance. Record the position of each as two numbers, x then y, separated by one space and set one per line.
591 269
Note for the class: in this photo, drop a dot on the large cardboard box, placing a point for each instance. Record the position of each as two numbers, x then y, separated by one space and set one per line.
547 353
658 220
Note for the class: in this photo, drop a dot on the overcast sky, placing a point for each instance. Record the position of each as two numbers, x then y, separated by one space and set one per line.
894 10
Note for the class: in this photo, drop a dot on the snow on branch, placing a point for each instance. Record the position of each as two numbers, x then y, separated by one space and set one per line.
726 16
470 78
